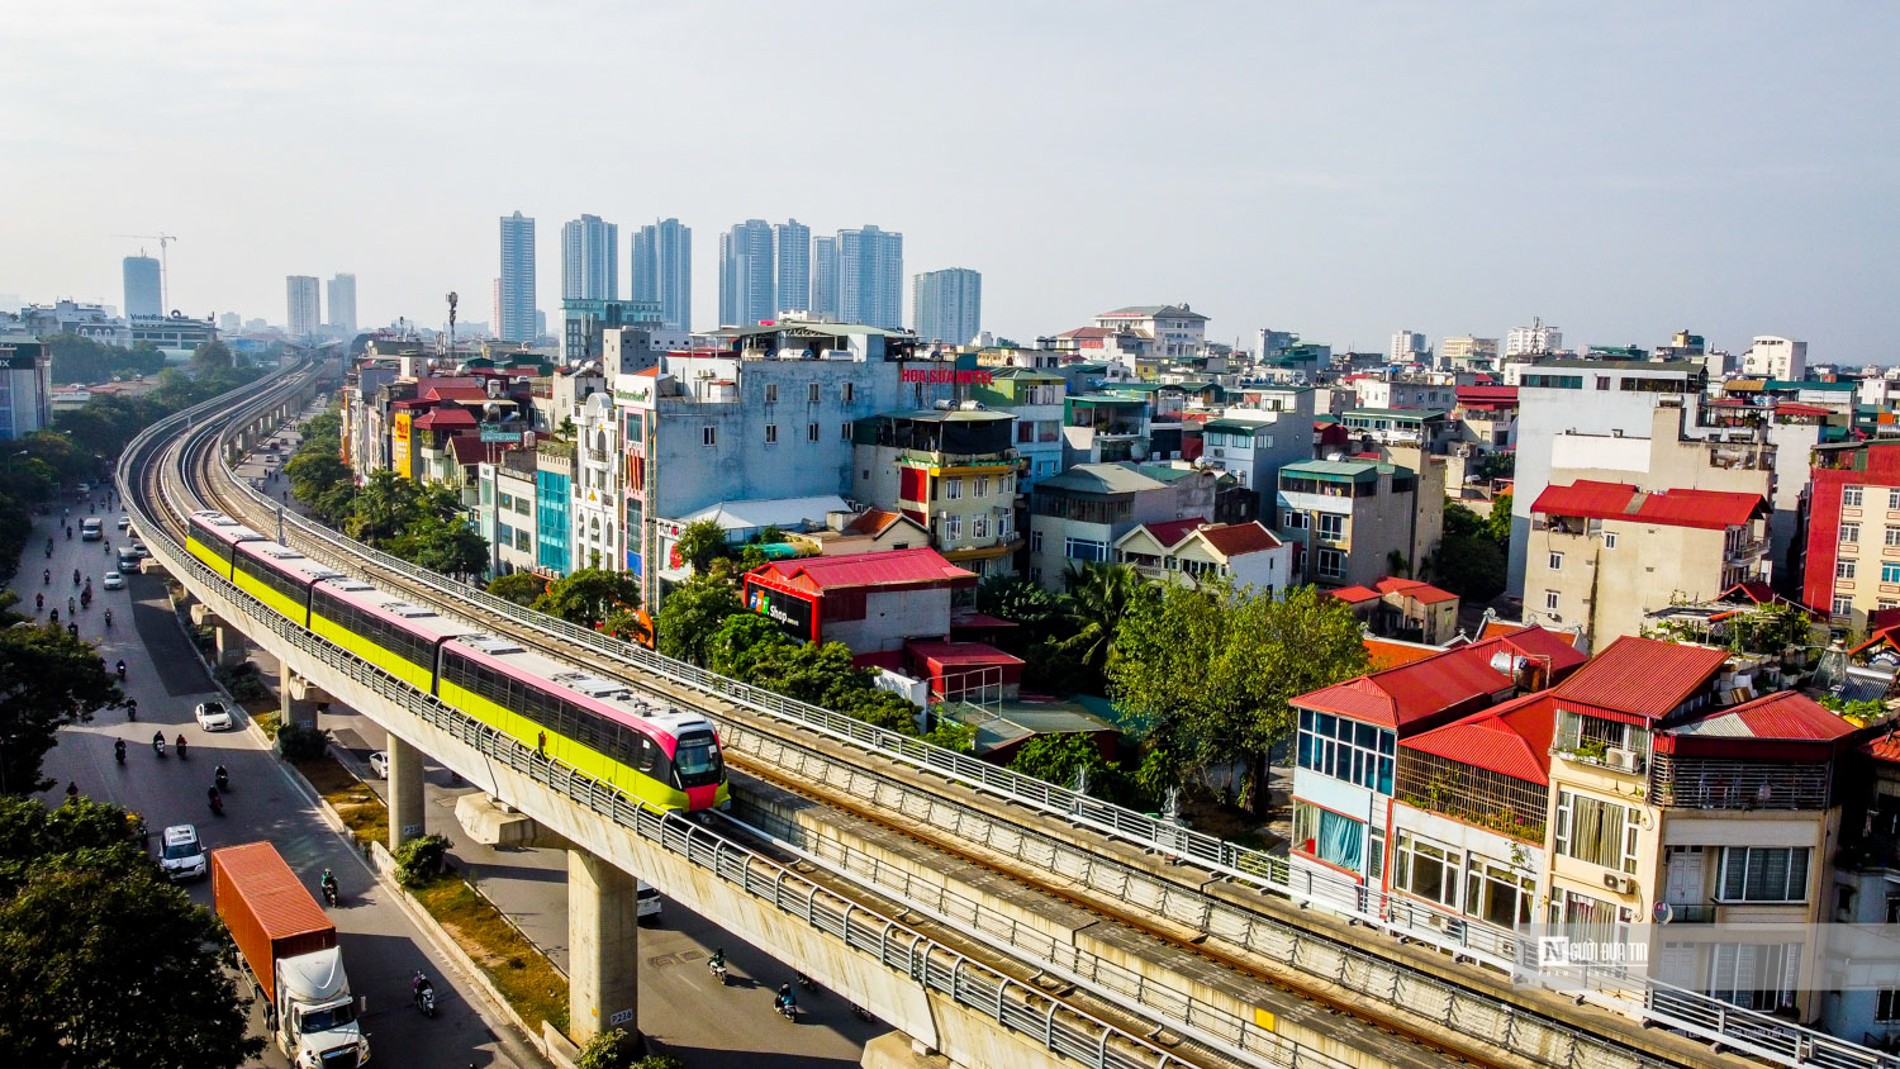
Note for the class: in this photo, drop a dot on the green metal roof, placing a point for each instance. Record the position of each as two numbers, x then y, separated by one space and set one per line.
1107 399
1338 469
1237 426
1807 384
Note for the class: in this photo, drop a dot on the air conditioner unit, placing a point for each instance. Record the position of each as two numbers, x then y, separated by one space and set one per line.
1621 884
1621 760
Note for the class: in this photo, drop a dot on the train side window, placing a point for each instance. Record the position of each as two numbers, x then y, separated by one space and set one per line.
649 754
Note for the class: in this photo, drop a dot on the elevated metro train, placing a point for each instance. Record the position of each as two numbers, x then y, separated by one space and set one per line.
660 754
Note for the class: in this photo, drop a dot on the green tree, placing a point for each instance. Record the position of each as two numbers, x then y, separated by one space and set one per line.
48 680
702 542
1499 521
824 676
741 641
522 588
1099 596
694 611
211 356
445 544
384 504
102 961
1470 566
1060 760
1021 601
1220 666
589 596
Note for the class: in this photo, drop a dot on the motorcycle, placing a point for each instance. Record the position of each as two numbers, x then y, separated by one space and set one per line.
216 800
121 668
46 577
424 994
158 744
718 970
131 709
807 983
181 746
330 893
108 619
39 603
224 780
788 1009
118 751
75 577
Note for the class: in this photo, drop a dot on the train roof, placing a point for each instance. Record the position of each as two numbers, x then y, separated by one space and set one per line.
283 558
223 528
611 696
404 614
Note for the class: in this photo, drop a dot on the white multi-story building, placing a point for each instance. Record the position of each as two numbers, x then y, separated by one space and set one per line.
748 288
1580 396
1536 338
663 271
947 305
824 278
590 259
1408 346
871 277
1176 330
143 290
597 510
343 304
305 313
793 239
1772 357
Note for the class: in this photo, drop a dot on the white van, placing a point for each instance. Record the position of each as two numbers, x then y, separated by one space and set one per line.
92 529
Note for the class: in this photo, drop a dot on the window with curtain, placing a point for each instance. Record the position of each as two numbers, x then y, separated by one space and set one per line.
1593 830
1328 836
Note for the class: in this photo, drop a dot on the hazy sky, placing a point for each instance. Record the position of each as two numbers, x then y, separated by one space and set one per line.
1343 171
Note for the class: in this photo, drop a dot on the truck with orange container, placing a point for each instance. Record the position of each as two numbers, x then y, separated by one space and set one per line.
289 952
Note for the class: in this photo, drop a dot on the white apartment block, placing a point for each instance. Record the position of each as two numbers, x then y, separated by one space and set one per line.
1771 357
1536 338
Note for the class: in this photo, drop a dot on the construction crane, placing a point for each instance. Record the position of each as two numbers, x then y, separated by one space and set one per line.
164 265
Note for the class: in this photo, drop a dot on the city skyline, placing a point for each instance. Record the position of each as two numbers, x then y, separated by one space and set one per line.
1672 195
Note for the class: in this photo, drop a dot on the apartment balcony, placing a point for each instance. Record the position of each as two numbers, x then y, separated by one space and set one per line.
1691 913
1609 758
1747 554
1722 784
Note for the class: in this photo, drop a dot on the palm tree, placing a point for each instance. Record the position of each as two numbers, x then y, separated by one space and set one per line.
1100 594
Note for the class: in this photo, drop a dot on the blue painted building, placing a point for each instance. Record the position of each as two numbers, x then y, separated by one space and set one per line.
553 496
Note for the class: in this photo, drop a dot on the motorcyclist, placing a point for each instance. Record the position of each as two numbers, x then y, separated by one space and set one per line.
121 667
131 708
216 799
46 576
118 750
181 744
39 602
158 742
108 618
327 883
786 1001
418 984
223 778
718 959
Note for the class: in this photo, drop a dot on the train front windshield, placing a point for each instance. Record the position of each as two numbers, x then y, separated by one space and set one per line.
696 761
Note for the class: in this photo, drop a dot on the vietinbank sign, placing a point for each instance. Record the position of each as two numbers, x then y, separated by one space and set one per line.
947 376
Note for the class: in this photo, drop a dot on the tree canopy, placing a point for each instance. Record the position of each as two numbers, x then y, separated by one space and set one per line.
48 679
702 542
102 961
590 596
1216 667
694 610
522 588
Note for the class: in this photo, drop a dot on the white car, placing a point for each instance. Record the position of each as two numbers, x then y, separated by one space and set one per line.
124 521
182 855
113 581
213 716
646 899
379 764
139 548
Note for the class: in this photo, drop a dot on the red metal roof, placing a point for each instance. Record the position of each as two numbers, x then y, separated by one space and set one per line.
456 393
1486 395
1511 738
1787 716
1707 509
445 417
971 654
1353 595
1459 680
1384 653
1171 533
1423 593
468 449
1641 677
1502 629
896 567
1796 408
1236 539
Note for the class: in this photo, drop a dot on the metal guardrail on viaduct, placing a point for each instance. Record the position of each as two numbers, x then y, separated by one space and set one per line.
1511 1027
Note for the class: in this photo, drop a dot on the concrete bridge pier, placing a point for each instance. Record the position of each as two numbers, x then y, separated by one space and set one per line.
603 939
406 814
299 699
231 650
